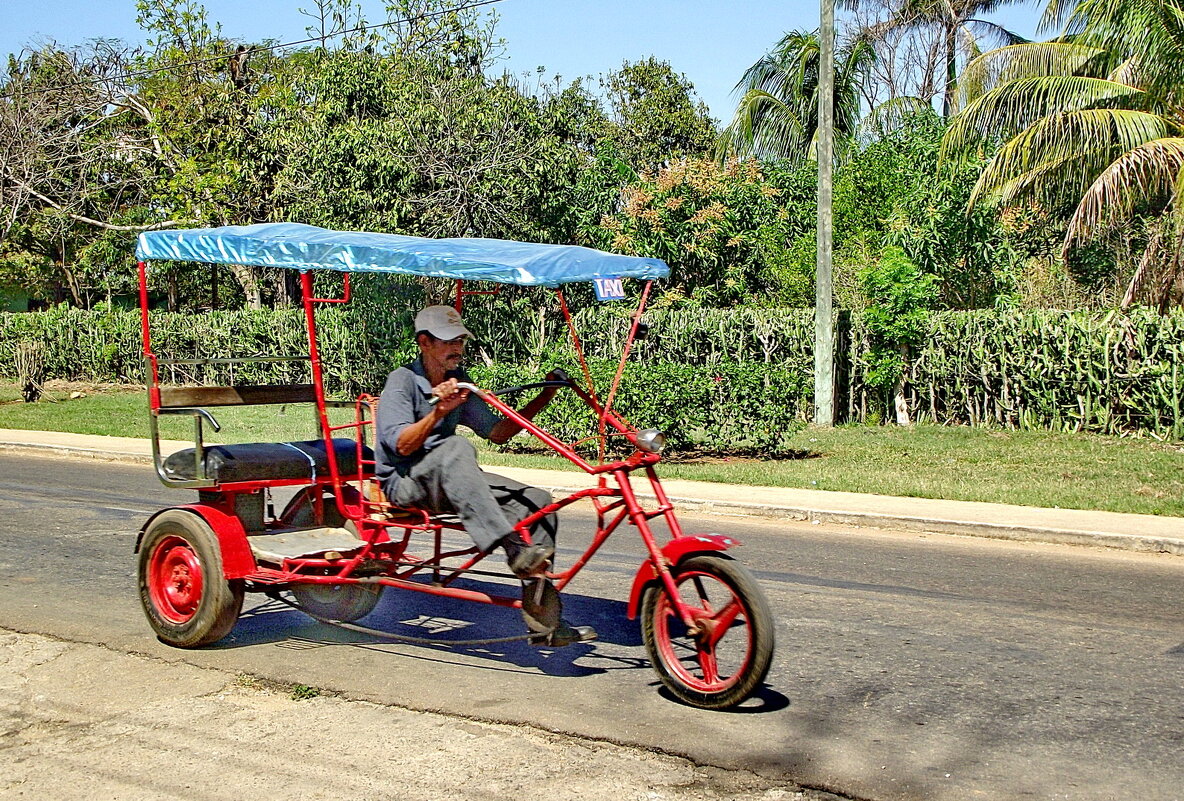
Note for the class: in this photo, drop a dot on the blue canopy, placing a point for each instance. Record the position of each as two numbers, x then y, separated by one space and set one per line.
306 247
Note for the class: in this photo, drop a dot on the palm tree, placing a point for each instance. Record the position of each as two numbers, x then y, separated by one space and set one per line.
777 116
1094 119
959 28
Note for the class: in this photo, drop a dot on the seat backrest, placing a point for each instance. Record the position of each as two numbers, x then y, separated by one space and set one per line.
237 395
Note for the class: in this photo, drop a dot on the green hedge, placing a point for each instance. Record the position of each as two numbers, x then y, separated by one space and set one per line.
729 407
737 379
1106 372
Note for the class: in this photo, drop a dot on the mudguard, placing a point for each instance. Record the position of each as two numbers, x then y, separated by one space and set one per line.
237 559
675 551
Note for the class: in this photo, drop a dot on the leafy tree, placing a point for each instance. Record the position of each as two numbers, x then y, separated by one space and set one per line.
209 107
723 229
777 116
892 192
656 114
72 164
896 319
419 146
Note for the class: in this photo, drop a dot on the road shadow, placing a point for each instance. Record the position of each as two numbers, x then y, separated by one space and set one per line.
442 630
762 701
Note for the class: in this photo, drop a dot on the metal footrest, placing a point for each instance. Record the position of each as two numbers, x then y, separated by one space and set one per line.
277 546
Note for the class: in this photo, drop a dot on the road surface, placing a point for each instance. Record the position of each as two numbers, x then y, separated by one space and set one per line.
907 666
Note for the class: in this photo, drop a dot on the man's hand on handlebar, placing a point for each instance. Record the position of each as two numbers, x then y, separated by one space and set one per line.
450 396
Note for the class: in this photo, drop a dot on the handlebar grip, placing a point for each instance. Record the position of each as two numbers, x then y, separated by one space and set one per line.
432 401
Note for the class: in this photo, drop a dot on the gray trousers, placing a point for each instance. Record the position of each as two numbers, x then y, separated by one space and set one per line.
448 480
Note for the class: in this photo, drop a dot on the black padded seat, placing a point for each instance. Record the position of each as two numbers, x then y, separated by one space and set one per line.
262 461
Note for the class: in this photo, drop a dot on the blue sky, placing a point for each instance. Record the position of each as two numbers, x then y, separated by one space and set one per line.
711 41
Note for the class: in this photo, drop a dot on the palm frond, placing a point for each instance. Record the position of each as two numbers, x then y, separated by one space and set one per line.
778 113
1144 176
1128 72
1152 28
987 31
764 126
1146 263
1055 14
1033 184
1012 107
892 114
1066 152
1034 59
790 62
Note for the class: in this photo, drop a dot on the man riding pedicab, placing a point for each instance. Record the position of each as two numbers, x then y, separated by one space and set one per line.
423 462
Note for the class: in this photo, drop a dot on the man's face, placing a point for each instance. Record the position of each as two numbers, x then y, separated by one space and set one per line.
446 353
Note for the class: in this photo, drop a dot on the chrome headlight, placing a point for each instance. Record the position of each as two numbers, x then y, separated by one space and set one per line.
651 440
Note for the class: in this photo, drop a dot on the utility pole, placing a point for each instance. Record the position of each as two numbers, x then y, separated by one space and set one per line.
824 333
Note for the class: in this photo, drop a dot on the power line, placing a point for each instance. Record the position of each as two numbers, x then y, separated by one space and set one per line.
127 76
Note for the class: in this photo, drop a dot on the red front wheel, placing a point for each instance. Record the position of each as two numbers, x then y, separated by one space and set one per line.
726 655
186 597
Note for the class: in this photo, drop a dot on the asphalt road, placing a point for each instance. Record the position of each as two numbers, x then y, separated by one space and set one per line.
907 666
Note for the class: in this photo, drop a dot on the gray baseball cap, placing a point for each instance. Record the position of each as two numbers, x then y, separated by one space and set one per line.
442 322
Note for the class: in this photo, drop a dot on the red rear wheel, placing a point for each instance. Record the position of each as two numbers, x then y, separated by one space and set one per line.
727 655
185 595
174 579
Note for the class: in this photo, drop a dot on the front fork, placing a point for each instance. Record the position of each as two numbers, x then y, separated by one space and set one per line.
657 567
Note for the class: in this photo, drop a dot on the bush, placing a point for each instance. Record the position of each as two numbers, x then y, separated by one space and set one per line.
725 408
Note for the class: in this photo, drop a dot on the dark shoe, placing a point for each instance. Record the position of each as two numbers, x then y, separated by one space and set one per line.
542 610
526 560
564 635
541 607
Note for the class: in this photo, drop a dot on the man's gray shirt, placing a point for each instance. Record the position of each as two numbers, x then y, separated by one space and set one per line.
404 401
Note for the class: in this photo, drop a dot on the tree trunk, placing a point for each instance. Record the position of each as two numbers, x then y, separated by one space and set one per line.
249 279
287 288
71 278
899 402
947 101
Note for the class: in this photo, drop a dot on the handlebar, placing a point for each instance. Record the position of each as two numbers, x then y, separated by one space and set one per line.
562 380
432 401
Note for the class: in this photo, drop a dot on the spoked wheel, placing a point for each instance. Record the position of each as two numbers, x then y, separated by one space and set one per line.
188 601
721 663
342 602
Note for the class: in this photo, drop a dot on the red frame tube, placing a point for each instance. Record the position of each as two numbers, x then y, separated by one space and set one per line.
149 357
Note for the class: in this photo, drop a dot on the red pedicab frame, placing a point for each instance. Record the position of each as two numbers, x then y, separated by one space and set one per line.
706 623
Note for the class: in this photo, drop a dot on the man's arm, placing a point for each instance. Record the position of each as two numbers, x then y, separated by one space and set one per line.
413 436
507 428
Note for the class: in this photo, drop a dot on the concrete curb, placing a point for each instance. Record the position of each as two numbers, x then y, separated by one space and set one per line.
72 452
892 521
931 525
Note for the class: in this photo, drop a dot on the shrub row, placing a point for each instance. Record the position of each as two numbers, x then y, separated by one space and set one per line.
734 379
1105 372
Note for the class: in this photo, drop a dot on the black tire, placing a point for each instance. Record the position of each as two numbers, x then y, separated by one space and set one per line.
300 511
188 600
342 602
718 668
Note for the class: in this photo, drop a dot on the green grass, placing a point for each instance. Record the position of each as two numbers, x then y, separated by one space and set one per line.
123 412
1032 468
